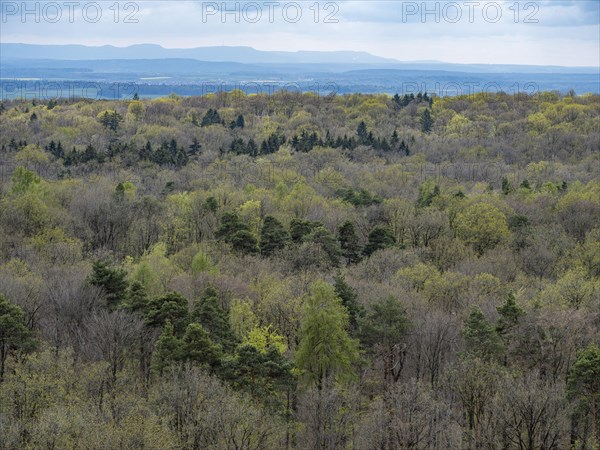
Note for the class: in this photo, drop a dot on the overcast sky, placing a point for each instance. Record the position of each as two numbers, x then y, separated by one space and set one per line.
545 32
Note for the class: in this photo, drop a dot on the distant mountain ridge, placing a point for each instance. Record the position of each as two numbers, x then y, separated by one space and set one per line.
249 55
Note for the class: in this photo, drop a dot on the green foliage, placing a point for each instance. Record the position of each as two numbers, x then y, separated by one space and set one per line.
385 324
230 225
211 117
510 314
110 120
197 347
136 298
112 281
426 121
379 238
264 375
244 242
349 243
168 348
348 296
273 236
14 335
481 337
482 225
326 350
208 312
24 180
172 307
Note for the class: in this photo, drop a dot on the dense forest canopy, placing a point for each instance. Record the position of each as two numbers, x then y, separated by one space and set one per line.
296 271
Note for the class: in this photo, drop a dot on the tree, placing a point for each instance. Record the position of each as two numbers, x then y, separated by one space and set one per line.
111 280
211 117
362 133
426 121
300 228
230 225
482 225
195 148
481 337
240 122
326 351
136 298
510 313
385 328
349 243
323 237
379 238
110 120
265 375
529 413
172 307
584 382
168 349
244 242
14 335
198 348
348 296
215 320
273 236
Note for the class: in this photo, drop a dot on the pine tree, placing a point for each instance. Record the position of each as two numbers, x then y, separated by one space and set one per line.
111 280
194 148
510 313
300 228
171 307
584 382
240 122
323 237
349 243
480 336
215 320
273 236
198 348
363 134
379 238
230 225
348 296
426 121
244 242
168 349
14 335
136 298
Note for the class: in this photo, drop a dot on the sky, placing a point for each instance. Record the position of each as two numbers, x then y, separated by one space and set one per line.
543 32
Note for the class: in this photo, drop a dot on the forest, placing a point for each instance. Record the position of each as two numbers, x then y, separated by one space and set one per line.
295 271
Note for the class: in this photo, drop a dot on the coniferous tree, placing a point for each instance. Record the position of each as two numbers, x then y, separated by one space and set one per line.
583 382
111 280
198 348
208 312
379 238
244 242
172 307
426 121
194 148
480 336
349 243
14 335
273 236
168 349
348 296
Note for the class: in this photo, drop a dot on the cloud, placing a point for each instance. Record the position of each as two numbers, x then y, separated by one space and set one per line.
559 32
